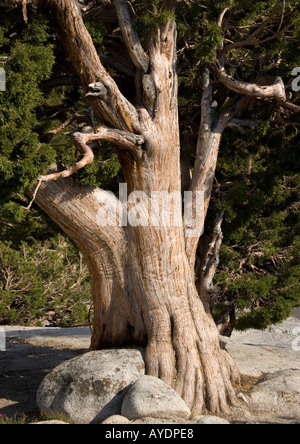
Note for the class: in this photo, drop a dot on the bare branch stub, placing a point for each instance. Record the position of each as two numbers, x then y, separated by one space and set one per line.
275 91
131 38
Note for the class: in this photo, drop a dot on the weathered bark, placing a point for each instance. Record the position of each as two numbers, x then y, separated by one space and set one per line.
144 294
119 138
131 39
274 90
208 262
76 210
211 129
143 279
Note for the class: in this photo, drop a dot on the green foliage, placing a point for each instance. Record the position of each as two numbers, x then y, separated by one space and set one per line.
259 271
204 34
29 54
257 178
150 16
97 32
43 282
38 274
16 420
100 172
29 60
40 270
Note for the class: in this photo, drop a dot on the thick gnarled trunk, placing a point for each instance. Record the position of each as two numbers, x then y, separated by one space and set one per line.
143 278
144 294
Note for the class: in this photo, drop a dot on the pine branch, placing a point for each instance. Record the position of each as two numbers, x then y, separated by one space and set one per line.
250 41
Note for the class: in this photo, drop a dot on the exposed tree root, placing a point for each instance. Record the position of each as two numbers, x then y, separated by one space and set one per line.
193 363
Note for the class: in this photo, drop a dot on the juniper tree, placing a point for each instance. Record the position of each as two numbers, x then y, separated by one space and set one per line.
27 57
144 286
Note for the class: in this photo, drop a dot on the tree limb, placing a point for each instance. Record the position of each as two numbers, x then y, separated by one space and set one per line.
211 257
205 130
120 139
24 10
47 137
119 67
64 80
116 137
291 107
276 90
240 124
88 157
11 4
221 18
212 127
34 194
131 38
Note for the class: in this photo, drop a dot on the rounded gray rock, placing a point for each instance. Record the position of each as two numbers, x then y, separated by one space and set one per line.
116 419
91 387
151 397
271 391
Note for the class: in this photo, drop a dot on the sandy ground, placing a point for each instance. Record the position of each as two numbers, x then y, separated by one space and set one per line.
32 352
275 349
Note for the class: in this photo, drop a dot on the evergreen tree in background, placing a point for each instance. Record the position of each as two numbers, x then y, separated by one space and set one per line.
258 277
27 56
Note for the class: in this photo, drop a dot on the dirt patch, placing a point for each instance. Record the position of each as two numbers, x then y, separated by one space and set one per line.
22 368
247 384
